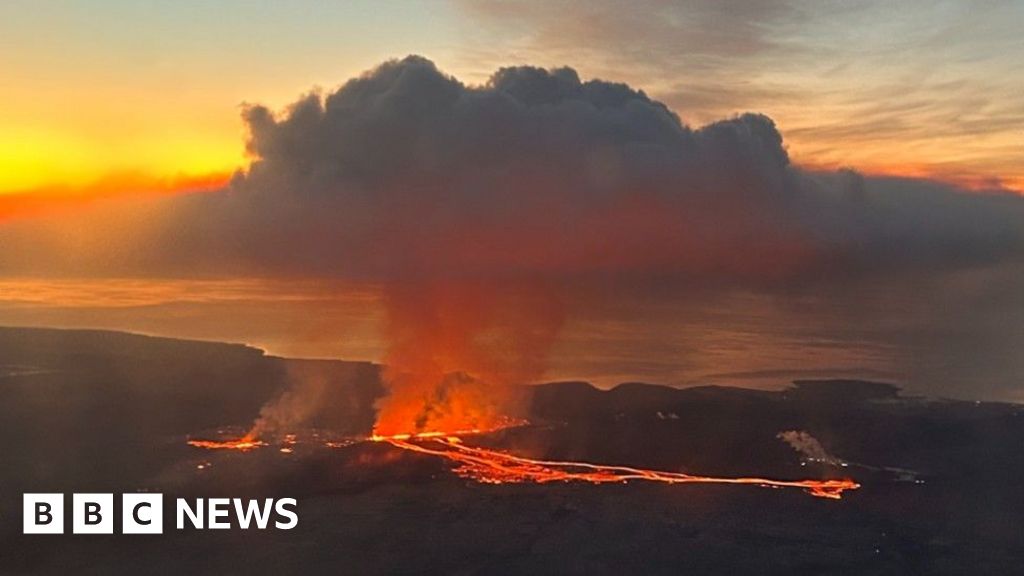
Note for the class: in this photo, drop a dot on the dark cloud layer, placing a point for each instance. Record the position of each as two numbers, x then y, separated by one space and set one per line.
405 170
537 170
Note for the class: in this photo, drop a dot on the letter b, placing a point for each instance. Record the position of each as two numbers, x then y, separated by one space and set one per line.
43 514
92 514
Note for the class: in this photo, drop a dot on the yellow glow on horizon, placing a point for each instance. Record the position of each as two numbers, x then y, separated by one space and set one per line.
48 142
31 163
33 159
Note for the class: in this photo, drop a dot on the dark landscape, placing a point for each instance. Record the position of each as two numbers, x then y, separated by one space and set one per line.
99 411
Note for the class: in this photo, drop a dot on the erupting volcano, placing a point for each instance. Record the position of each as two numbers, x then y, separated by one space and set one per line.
456 368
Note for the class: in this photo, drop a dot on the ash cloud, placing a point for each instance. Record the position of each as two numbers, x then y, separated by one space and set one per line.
406 168
405 171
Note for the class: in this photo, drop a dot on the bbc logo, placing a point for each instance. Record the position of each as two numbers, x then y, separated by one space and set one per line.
92 514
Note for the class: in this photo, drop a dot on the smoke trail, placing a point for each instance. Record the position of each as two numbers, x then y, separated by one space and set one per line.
294 407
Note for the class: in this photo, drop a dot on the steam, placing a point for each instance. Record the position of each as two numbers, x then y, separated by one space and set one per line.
322 395
293 408
812 451
809 447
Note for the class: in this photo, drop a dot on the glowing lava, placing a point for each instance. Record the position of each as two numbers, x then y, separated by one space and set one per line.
243 444
493 467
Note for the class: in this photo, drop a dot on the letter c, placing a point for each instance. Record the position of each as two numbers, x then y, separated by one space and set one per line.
135 514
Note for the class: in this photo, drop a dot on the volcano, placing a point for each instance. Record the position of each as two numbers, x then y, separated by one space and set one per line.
937 476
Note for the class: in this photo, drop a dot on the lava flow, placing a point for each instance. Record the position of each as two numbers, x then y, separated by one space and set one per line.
243 444
494 467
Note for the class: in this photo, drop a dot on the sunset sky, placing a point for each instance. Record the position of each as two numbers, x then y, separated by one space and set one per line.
679 191
111 95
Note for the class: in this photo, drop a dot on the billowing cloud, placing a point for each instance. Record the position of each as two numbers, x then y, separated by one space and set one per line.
407 168
475 205
405 171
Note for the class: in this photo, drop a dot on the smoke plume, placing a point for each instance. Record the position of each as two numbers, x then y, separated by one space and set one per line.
808 447
459 349
294 407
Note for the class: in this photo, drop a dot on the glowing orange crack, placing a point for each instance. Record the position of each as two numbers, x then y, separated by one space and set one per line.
243 444
493 467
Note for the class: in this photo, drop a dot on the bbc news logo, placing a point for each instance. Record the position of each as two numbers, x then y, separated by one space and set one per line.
144 513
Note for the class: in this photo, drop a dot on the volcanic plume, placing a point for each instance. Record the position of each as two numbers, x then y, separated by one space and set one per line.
473 207
460 353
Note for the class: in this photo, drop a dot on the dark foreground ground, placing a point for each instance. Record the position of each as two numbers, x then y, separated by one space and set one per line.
98 411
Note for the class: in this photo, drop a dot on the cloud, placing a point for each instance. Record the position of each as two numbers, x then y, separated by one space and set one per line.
476 205
905 89
405 171
655 30
406 167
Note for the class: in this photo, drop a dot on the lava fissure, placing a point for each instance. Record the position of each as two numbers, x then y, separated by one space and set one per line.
494 467
243 444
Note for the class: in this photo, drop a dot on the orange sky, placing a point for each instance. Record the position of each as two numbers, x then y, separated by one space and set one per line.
113 97
69 195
